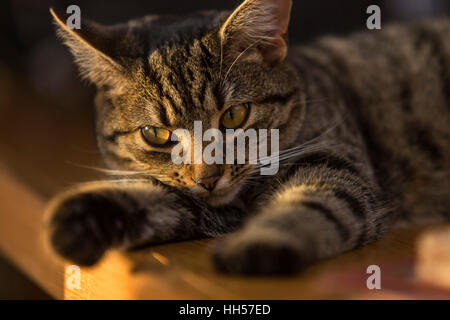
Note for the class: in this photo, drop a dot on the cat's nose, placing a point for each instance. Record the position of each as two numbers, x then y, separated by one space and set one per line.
209 183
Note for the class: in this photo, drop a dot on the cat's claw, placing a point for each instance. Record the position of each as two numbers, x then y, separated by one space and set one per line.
243 253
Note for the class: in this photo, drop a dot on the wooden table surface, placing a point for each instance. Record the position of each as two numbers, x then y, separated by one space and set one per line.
40 147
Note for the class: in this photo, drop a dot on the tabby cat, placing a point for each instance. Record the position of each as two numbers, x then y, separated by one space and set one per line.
363 134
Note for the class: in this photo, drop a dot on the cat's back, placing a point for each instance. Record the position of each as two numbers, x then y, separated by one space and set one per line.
396 83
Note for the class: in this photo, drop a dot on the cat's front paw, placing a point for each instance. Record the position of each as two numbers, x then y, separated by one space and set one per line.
80 228
260 252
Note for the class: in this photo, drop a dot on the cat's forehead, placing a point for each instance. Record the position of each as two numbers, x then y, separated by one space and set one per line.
182 84
174 108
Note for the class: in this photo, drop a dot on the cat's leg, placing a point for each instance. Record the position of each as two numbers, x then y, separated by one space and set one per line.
84 222
323 209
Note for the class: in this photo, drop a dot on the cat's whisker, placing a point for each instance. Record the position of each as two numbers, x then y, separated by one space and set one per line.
107 171
293 154
128 180
126 173
288 153
237 59
308 146
111 181
221 58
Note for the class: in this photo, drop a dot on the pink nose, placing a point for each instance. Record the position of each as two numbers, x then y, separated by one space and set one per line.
209 183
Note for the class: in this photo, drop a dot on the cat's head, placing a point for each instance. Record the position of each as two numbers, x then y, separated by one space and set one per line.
161 73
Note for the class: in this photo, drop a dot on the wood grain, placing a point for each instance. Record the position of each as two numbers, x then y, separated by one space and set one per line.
184 271
22 235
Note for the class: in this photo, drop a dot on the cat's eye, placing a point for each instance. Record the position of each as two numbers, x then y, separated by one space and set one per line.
156 137
235 116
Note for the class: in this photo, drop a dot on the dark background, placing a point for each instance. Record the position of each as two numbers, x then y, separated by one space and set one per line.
46 125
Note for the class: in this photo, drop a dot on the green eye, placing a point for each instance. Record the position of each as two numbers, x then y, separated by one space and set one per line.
235 116
156 137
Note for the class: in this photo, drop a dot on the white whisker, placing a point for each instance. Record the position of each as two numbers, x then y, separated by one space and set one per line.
237 59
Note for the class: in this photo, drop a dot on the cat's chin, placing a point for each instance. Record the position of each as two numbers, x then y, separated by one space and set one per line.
216 199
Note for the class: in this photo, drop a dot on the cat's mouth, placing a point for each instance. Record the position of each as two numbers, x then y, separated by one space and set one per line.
221 195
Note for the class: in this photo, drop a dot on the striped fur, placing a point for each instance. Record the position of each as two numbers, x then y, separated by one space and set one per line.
363 126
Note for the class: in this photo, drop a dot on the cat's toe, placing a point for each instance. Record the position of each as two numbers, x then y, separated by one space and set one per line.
244 254
76 232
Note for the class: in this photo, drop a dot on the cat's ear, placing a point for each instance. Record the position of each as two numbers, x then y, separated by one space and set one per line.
261 25
96 49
